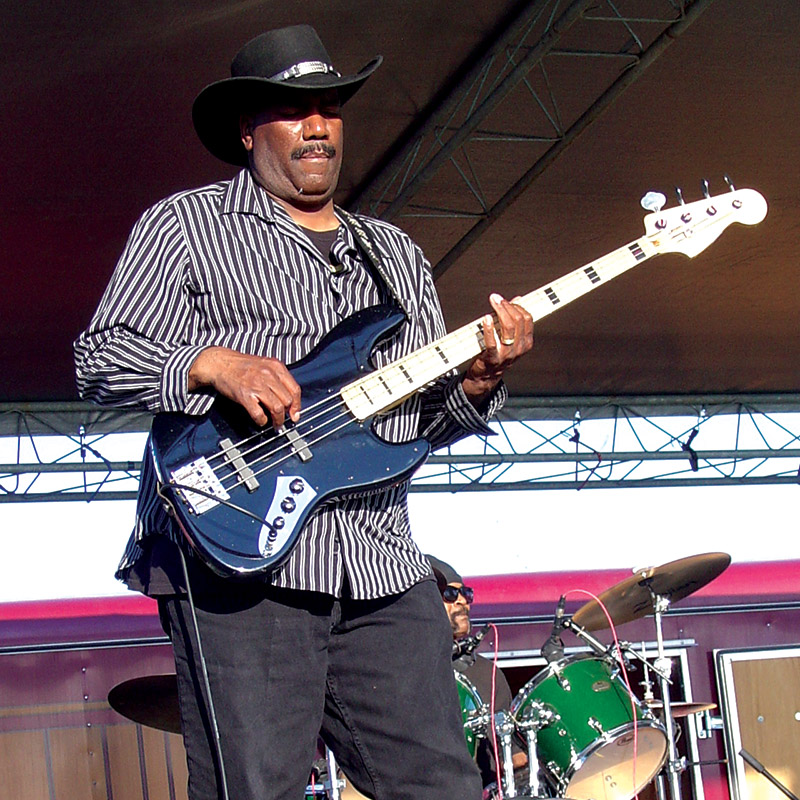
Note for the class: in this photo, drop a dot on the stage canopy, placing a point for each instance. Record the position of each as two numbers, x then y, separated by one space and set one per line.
512 140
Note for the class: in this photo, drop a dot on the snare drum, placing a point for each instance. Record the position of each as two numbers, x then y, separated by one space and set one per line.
472 711
586 748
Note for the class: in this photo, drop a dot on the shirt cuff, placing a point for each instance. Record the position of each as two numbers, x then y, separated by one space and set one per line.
465 414
175 394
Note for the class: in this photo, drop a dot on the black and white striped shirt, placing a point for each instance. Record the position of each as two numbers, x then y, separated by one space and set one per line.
225 265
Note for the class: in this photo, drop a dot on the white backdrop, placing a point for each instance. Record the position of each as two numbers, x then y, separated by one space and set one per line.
71 549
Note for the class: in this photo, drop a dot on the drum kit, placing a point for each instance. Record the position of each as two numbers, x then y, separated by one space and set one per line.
586 731
590 736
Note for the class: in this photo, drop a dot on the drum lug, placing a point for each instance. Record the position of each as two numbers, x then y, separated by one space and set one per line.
556 772
537 715
564 683
596 726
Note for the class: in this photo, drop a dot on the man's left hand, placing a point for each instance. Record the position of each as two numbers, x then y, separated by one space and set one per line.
505 343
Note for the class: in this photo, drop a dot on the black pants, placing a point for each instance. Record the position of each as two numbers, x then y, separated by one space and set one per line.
374 678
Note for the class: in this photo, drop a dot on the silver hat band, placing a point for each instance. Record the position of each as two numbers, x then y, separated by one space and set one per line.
305 68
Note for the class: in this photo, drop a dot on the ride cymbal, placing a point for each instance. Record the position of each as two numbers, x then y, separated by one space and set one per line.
633 597
151 700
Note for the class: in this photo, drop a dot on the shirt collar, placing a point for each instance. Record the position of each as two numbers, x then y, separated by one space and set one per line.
245 196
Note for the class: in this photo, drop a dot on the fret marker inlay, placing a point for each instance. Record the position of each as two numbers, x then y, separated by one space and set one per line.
637 251
592 274
552 296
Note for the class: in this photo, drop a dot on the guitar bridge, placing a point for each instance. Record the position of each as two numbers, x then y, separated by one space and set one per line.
234 457
198 475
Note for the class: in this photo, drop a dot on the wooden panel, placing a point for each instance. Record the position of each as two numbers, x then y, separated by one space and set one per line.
23 766
180 772
124 763
154 746
768 706
78 766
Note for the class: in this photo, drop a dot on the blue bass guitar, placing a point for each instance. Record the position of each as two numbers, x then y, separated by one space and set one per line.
241 493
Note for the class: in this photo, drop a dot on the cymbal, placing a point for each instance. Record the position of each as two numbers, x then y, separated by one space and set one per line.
151 700
632 597
682 708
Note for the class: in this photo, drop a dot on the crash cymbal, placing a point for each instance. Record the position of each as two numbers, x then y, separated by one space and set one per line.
151 700
633 597
682 708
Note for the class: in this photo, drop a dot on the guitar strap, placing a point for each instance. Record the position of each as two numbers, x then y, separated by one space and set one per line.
365 242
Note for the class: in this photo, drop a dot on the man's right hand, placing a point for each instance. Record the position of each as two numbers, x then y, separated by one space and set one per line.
264 386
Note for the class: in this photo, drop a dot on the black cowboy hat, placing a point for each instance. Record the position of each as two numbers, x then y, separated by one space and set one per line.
288 58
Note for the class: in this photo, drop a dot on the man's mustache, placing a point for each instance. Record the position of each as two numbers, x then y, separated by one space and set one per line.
319 147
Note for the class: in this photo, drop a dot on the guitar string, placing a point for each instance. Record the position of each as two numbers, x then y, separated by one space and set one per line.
225 451
621 258
263 438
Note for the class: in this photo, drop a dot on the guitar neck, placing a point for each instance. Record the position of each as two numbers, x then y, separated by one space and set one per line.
387 387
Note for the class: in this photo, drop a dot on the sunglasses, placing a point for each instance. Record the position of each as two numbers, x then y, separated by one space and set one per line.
450 593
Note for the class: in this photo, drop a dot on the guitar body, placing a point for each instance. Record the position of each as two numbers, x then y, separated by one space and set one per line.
292 475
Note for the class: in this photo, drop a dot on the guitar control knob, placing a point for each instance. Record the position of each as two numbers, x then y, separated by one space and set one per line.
296 486
288 505
278 523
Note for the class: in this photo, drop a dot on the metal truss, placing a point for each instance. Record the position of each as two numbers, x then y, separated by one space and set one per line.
74 452
608 44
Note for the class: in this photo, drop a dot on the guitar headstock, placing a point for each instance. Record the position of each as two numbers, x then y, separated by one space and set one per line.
691 227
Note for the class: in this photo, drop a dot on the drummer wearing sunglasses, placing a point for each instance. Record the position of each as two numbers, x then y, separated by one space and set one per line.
457 599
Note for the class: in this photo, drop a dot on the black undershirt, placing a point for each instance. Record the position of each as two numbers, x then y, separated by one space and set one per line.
323 241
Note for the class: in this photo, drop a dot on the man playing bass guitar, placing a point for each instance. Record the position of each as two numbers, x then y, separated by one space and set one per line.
217 291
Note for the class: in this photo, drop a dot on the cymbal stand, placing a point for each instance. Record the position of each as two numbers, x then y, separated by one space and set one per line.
603 650
663 667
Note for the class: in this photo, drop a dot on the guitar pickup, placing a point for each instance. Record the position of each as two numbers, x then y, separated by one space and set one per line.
234 457
297 442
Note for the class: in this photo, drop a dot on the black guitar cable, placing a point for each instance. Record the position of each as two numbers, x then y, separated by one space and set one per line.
212 714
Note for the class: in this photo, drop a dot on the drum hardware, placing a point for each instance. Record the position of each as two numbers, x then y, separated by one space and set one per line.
663 667
614 654
650 590
533 718
585 743
505 726
707 725
474 712
339 789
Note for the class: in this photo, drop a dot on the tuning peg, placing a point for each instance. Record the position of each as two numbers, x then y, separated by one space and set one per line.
653 201
704 185
679 192
729 182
